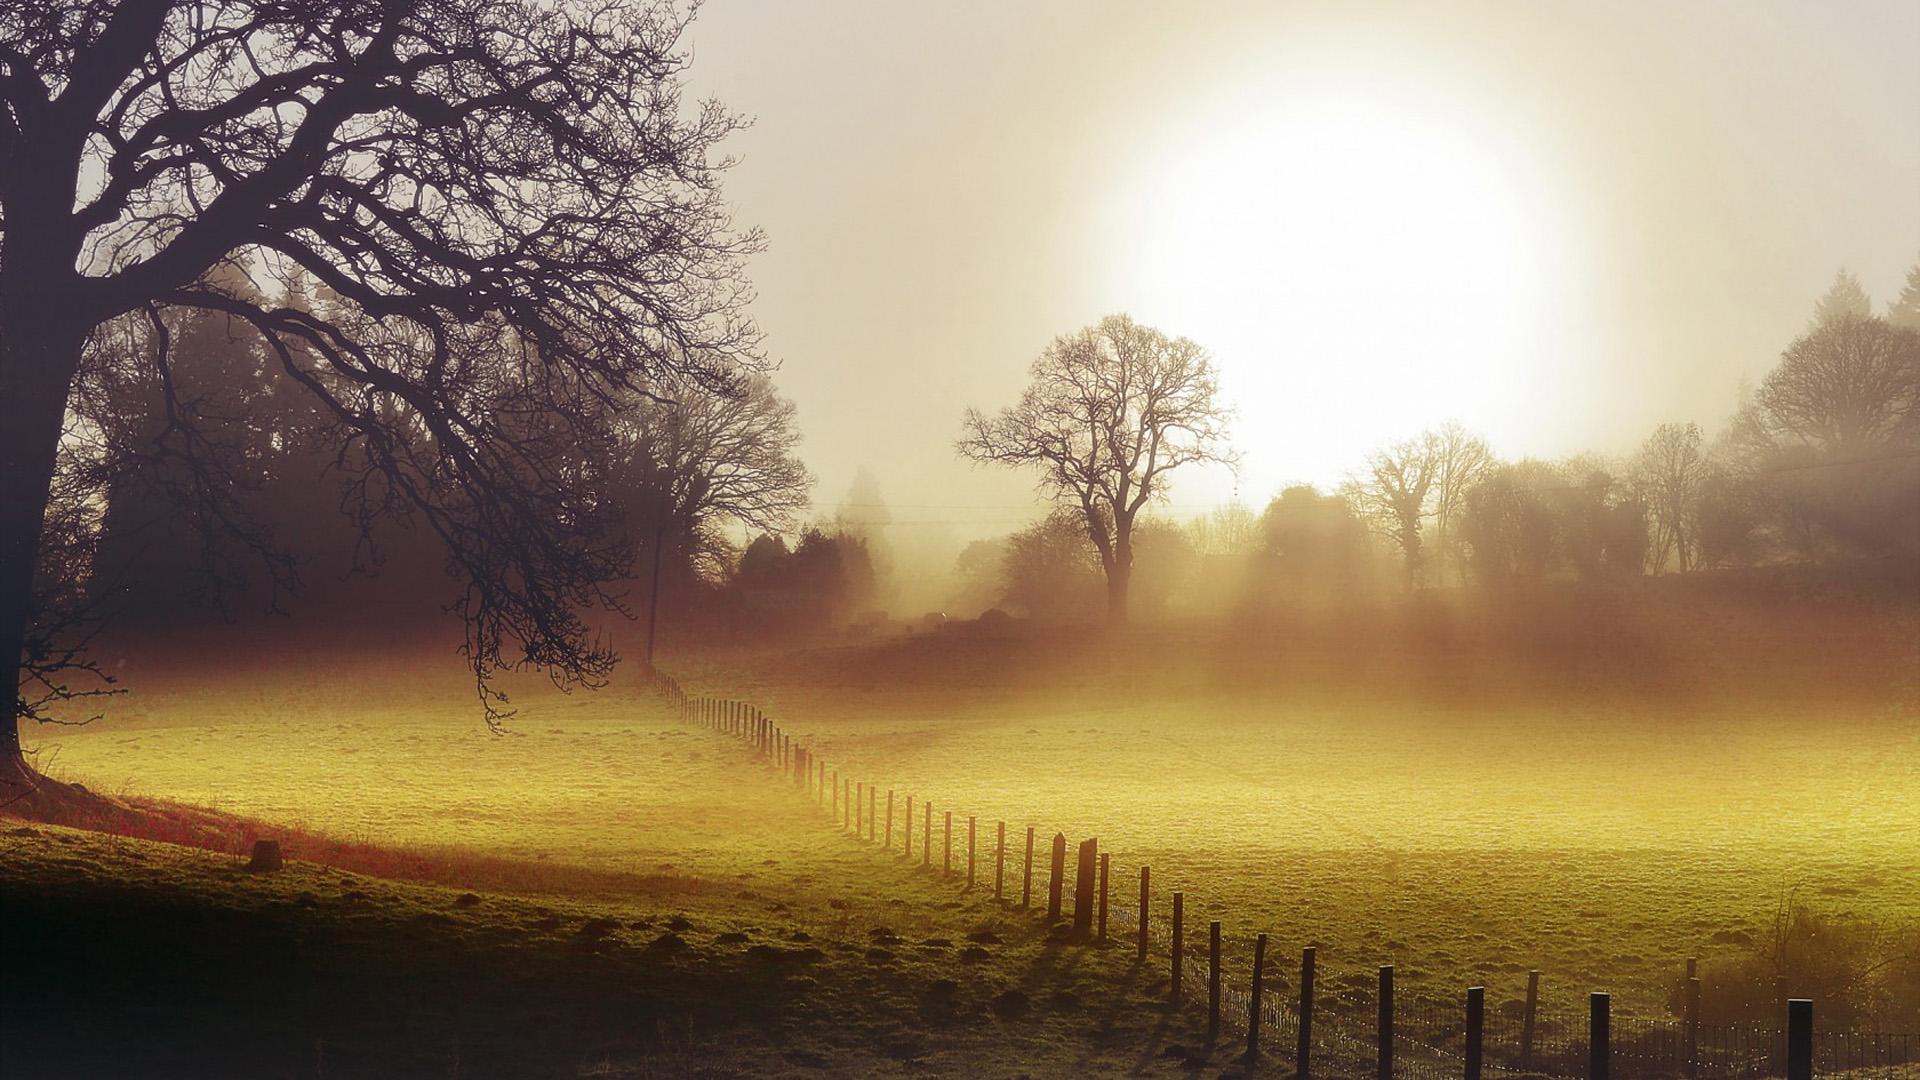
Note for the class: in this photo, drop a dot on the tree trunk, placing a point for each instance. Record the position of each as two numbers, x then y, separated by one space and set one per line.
39 352
1119 580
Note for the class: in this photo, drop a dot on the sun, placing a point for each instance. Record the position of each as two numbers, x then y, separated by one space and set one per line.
1386 259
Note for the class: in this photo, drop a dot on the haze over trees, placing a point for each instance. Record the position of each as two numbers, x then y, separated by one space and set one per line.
1821 461
1112 411
516 218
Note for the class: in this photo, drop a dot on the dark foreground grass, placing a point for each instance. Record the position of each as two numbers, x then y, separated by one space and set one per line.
128 958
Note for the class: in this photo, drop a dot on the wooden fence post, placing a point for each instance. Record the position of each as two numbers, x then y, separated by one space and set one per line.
1213 980
1145 873
836 793
1599 1036
1693 1025
1083 872
1253 1009
970 824
1304 1047
888 843
1000 863
1799 1039
907 850
926 835
1526 1020
1059 876
1105 859
873 803
1383 1056
1026 881
946 846
1476 1027
859 796
1179 950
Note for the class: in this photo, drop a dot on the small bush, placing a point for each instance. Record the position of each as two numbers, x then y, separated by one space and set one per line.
1859 974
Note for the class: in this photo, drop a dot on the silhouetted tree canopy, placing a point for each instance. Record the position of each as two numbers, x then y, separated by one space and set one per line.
515 216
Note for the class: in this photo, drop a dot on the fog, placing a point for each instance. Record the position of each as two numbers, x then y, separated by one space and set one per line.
947 187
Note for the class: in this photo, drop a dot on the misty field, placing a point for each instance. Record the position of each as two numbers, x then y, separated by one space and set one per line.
1464 819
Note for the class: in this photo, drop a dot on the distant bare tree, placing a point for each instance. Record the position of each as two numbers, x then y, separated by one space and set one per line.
1225 531
518 221
1460 459
1392 493
712 459
1111 410
1849 387
1669 474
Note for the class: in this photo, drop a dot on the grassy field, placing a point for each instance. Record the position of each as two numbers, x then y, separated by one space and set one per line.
1470 811
1467 811
731 932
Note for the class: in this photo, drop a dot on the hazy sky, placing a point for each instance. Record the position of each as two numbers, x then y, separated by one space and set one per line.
1558 223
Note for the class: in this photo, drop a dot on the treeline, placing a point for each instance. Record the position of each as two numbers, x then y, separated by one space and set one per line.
1820 462
199 483
212 487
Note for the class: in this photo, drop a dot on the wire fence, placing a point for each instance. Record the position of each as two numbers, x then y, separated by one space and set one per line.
1327 1023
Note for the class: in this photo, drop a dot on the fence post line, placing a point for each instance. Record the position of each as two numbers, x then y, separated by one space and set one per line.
1174 995
1213 980
1693 1025
1799 1039
1106 858
1000 863
946 845
1526 1019
970 838
889 840
1059 874
1083 875
1476 1027
1383 1057
926 834
1145 874
1599 1036
1026 881
1253 1008
907 846
1304 1046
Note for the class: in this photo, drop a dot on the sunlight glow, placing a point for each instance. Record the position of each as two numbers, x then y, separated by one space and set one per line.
1349 248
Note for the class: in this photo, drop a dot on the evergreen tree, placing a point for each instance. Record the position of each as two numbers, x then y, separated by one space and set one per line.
1845 299
1904 311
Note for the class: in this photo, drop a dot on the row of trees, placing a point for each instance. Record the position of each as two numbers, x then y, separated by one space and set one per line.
1821 461
214 486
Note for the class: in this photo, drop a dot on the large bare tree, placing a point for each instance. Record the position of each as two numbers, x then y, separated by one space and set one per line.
1111 411
517 216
